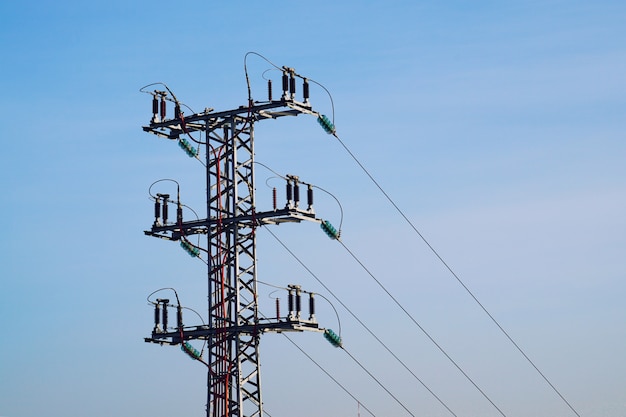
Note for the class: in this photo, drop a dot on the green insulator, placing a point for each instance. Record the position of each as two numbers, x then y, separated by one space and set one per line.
190 249
332 337
186 146
190 350
329 229
326 124
191 151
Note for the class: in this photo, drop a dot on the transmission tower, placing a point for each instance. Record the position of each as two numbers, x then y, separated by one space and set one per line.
234 325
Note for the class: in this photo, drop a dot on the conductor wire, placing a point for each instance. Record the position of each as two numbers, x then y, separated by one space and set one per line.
328 374
362 324
376 379
441 349
459 280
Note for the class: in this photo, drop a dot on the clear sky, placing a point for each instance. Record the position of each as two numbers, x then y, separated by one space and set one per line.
498 127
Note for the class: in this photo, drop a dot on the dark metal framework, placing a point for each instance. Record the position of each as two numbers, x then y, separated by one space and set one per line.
234 327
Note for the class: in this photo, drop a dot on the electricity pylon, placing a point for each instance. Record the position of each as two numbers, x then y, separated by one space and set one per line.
234 323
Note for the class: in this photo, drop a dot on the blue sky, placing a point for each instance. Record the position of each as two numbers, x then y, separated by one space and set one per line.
497 127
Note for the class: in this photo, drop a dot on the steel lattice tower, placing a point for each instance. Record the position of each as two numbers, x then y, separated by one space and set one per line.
234 325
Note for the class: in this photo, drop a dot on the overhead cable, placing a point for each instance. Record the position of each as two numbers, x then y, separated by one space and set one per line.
376 379
422 329
445 264
329 375
360 322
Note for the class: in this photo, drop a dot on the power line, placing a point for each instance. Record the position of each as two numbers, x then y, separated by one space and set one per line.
445 264
361 323
377 381
422 329
329 375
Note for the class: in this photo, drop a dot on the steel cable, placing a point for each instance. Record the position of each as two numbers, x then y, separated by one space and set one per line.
445 264
422 329
361 323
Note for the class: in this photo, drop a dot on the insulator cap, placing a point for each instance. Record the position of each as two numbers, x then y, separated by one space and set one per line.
296 193
274 198
157 209
157 316
165 208
292 86
165 315
285 83
163 108
305 89
289 192
298 303
309 197
311 306
290 302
